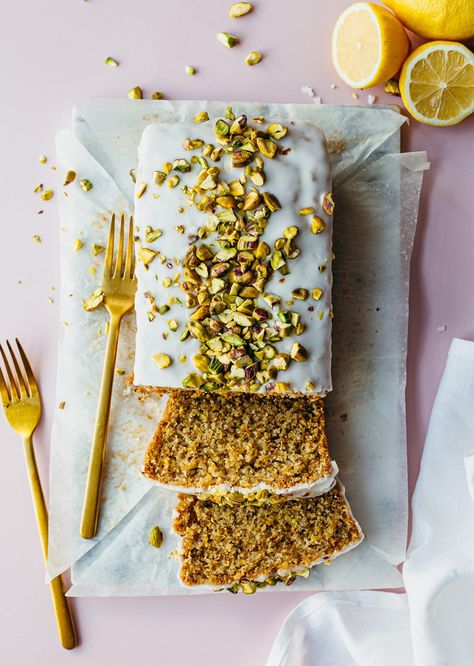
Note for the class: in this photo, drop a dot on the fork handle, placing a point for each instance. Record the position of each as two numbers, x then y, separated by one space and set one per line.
91 505
65 622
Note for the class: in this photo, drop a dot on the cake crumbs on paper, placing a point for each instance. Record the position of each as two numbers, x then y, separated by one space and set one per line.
43 159
371 99
355 96
62 404
307 90
333 86
37 238
50 300
441 328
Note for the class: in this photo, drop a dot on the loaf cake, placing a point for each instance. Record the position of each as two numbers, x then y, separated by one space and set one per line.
238 446
234 241
246 547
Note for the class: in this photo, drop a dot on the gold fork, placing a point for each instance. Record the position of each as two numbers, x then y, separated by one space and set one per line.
119 285
22 404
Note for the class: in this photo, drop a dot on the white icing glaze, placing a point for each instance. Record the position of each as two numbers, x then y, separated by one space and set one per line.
299 179
298 491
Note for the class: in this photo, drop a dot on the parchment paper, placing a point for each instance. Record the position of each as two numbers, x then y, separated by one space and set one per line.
377 193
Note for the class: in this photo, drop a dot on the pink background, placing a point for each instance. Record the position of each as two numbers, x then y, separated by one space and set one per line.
52 54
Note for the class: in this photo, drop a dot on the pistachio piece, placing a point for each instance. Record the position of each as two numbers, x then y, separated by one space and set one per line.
241 158
172 325
97 249
277 131
78 244
69 177
239 9
316 293
163 309
277 260
248 588
85 184
309 386
257 177
111 62
43 159
328 203
146 255
190 70
298 352
226 202
157 95
391 86
221 128
271 202
267 147
201 117
167 167
192 381
226 39
251 201
151 235
162 360
94 300
135 93
305 211
141 189
181 165
156 537
173 181
47 195
282 387
317 225
201 362
239 125
253 58
300 294
159 177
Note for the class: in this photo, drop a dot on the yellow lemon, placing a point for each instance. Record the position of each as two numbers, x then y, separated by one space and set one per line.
369 45
436 19
437 83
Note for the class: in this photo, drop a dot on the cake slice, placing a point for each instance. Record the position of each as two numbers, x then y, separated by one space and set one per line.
240 446
246 547
234 241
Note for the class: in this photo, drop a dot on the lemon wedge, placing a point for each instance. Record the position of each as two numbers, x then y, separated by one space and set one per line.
437 83
369 45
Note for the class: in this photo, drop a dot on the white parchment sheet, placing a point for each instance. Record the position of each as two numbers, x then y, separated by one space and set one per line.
376 190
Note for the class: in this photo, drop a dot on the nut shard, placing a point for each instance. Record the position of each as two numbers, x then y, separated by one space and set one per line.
240 446
225 546
233 241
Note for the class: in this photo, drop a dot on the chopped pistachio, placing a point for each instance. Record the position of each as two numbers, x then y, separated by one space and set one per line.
328 203
267 147
157 95
305 211
38 188
94 300
226 39
290 232
135 93
62 404
239 125
183 358
300 294
85 184
298 352
253 58
392 87
159 177
172 324
163 309
132 175
167 167
271 202
309 386
43 159
78 244
162 360
317 225
69 177
181 165
111 62
119 371
150 315
229 114
97 249
146 255
36 238
141 189
239 9
156 537
167 282
221 128
248 588
277 131
282 387
201 117
47 195
190 70
151 235
173 181
316 293
192 381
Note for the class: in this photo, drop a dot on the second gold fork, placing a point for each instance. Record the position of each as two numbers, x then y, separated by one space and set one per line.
118 286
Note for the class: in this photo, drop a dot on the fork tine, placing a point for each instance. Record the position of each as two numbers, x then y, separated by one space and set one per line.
5 394
13 387
129 261
21 380
119 259
109 254
33 386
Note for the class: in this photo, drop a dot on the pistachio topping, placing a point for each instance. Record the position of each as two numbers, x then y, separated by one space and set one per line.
277 131
328 203
151 235
146 255
253 58
157 95
97 249
239 9
135 93
69 177
201 117
37 238
162 360
141 189
156 537
78 244
226 39
43 159
317 225
111 62
190 70
159 177
85 184
94 300
316 293
47 195
305 211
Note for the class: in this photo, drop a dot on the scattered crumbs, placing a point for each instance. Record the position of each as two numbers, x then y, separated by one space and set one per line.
92 270
19 282
190 70
53 168
308 91
111 62
86 185
355 96
343 417
62 404
36 238
47 195
50 300
441 328
157 95
38 188
78 244
43 159
371 99
40 212
333 86
135 93
119 371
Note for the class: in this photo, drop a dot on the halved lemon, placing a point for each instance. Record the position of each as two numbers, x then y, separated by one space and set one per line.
437 83
369 45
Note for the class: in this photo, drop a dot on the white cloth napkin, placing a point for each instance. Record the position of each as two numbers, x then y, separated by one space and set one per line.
433 623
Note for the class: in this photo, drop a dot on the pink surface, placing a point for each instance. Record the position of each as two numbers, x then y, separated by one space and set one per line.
52 54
